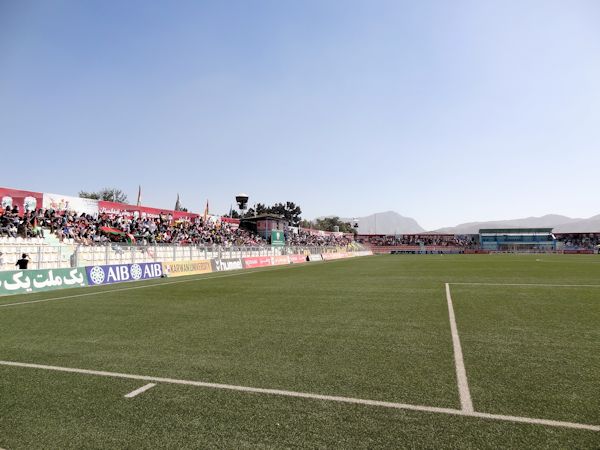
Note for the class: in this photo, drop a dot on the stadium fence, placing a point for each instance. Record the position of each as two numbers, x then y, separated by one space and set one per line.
44 256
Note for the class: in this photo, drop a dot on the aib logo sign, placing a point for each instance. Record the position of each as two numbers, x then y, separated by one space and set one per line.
123 272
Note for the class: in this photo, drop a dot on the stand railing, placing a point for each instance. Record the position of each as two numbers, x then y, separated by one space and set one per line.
43 256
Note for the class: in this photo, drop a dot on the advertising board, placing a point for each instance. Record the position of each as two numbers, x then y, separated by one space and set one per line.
117 273
315 257
297 259
182 268
26 281
332 256
223 264
280 260
256 261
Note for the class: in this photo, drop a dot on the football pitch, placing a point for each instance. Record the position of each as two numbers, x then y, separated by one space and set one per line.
397 351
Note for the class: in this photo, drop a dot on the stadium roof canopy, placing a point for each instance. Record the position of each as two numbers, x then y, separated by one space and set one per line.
514 230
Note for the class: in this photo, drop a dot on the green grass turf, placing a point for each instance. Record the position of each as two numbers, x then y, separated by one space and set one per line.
374 328
532 351
55 410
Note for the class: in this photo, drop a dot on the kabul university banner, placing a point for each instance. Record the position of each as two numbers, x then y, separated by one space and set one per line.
117 273
25 281
181 268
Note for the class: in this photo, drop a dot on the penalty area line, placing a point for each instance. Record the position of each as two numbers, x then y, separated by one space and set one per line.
307 395
461 373
525 284
140 390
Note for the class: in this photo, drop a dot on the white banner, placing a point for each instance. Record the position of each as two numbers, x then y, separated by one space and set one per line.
79 205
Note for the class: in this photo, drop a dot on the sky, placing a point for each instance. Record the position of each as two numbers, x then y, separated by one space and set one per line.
446 112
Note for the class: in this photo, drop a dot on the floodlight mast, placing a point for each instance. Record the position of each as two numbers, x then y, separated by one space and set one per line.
242 202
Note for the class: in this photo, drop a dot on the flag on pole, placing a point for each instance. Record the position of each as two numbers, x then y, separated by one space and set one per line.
177 204
139 198
230 210
206 211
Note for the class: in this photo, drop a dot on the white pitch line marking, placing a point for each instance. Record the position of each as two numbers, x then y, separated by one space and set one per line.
526 284
243 272
332 398
140 390
461 373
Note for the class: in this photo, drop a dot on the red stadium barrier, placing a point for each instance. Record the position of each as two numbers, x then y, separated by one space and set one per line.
257 261
297 259
280 260
332 256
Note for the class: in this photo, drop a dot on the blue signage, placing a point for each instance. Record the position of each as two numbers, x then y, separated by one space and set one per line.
118 273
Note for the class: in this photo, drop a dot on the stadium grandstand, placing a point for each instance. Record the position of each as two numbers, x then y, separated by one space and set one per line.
527 240
419 243
517 239
57 230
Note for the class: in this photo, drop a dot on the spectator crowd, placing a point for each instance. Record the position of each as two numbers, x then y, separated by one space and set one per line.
86 229
316 239
586 241
89 230
440 240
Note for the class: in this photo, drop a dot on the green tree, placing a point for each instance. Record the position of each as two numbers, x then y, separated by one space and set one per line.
258 209
92 195
288 210
107 194
329 224
307 224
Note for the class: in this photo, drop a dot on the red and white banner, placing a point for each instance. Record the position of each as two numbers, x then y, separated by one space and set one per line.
297 259
24 200
332 256
256 261
280 260
122 209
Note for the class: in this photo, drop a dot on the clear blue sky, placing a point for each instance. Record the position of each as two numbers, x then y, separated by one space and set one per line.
443 111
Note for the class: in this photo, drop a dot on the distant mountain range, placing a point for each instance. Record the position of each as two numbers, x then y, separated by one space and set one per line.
560 224
390 222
